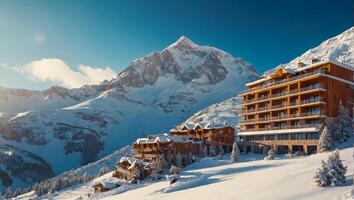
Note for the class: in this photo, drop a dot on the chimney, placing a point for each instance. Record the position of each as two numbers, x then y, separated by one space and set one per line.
315 60
301 64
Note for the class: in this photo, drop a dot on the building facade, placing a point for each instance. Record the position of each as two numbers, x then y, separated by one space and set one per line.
212 135
166 148
285 109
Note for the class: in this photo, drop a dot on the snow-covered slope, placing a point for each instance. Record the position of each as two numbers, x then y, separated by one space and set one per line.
339 48
225 112
251 178
151 95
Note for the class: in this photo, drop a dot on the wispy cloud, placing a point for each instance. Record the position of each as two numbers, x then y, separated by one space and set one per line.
57 71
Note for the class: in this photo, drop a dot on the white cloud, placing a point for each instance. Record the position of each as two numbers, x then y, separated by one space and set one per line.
58 72
39 37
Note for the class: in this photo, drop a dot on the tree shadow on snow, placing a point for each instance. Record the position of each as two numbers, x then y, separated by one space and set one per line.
190 180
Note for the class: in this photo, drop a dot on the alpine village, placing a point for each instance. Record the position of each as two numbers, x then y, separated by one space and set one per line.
284 112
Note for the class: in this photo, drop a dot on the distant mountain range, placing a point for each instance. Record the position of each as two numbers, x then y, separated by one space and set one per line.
66 128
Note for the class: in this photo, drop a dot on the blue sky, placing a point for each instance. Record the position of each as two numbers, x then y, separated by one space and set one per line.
108 35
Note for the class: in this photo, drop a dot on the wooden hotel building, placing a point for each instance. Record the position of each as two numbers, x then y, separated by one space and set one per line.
285 109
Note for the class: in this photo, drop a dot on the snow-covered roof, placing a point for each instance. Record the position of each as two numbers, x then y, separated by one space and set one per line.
109 184
132 161
293 70
204 125
164 138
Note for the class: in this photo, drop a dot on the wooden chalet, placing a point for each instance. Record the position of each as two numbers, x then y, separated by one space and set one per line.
166 147
212 135
129 168
104 186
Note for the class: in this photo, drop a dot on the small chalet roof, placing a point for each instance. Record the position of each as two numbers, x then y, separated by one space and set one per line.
109 184
164 138
205 125
133 161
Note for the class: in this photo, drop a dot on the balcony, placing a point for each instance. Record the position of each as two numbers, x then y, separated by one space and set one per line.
316 125
285 105
285 80
281 117
286 93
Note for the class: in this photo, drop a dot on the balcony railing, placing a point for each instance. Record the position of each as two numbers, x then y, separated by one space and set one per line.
313 125
284 105
277 82
282 116
284 93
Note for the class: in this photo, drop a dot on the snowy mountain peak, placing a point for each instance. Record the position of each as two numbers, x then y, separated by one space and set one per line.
339 48
183 41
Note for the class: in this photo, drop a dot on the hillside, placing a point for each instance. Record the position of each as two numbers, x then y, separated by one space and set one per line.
151 95
251 178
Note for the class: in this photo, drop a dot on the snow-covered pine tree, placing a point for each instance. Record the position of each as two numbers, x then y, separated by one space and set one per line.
326 141
322 177
270 155
212 150
174 170
179 162
265 150
353 173
343 124
205 151
103 170
336 170
220 149
235 152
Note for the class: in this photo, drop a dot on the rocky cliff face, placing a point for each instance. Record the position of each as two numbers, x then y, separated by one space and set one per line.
151 95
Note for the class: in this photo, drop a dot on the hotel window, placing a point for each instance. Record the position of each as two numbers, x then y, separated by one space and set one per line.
297 136
270 137
283 137
312 136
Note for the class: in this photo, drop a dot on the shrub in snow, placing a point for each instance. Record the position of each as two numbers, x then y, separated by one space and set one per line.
322 177
270 155
326 142
235 152
331 172
336 169
343 124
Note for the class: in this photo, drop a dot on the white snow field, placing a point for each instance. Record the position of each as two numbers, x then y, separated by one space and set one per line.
251 178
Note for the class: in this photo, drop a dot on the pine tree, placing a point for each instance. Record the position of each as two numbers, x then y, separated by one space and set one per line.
235 152
103 170
179 160
205 151
343 124
336 169
322 177
221 149
326 142
212 150
270 155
